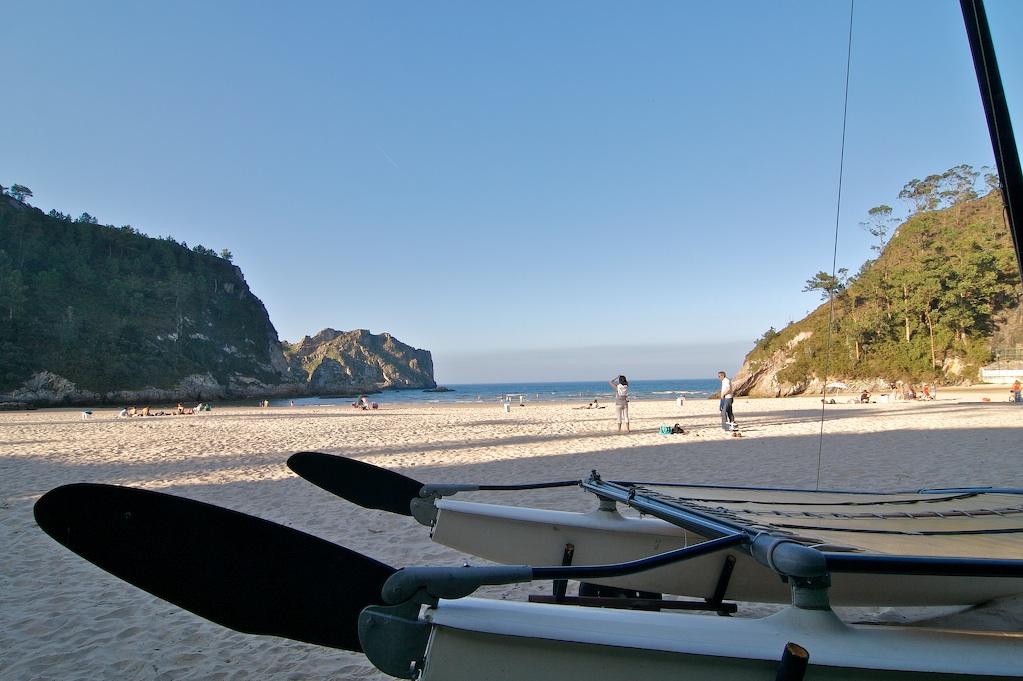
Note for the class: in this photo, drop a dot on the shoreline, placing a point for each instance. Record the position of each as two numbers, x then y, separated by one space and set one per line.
977 392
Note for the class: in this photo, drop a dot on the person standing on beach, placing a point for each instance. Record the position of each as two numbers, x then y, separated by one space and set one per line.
621 386
725 405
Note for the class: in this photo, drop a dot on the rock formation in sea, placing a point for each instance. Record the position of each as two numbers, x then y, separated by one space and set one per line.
347 362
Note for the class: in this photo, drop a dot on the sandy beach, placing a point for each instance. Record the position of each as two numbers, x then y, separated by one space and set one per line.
62 618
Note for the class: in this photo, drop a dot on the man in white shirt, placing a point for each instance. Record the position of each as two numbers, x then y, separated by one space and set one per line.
725 405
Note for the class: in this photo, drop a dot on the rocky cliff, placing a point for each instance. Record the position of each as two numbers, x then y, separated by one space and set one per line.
345 362
92 314
761 377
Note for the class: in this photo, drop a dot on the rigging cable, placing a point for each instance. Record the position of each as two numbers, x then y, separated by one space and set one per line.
834 254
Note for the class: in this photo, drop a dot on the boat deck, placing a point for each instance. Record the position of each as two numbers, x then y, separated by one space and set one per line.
956 524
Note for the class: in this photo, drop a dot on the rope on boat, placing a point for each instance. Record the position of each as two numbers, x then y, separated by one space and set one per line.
1013 510
759 502
742 517
913 533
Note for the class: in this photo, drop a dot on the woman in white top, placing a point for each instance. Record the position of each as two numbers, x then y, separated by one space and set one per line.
621 386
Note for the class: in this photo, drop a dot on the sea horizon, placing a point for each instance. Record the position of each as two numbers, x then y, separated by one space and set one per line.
529 391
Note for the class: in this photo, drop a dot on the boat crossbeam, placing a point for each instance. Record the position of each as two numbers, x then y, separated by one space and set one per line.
424 507
783 555
805 568
433 583
636 600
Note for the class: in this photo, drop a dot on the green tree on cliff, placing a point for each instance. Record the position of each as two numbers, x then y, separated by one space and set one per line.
827 284
879 223
923 194
20 192
958 184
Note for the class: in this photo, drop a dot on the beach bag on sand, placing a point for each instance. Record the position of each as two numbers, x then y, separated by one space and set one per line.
666 430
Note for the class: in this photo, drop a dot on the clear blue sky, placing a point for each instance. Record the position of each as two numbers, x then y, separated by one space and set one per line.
531 190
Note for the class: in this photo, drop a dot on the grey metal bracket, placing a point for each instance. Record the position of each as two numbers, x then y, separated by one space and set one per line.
428 584
424 510
716 600
394 638
446 489
560 586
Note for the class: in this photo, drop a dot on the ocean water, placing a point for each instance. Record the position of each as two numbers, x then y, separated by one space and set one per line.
567 391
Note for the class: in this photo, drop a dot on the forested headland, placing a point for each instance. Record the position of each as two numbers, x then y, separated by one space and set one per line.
941 296
93 313
113 309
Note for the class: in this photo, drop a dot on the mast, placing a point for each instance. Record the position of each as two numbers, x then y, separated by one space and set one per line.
998 123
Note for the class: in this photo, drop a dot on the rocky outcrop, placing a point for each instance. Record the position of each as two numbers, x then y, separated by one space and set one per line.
759 378
44 387
346 362
329 363
48 389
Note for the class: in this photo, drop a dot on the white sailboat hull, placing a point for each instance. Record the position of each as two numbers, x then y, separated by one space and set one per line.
475 639
514 535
